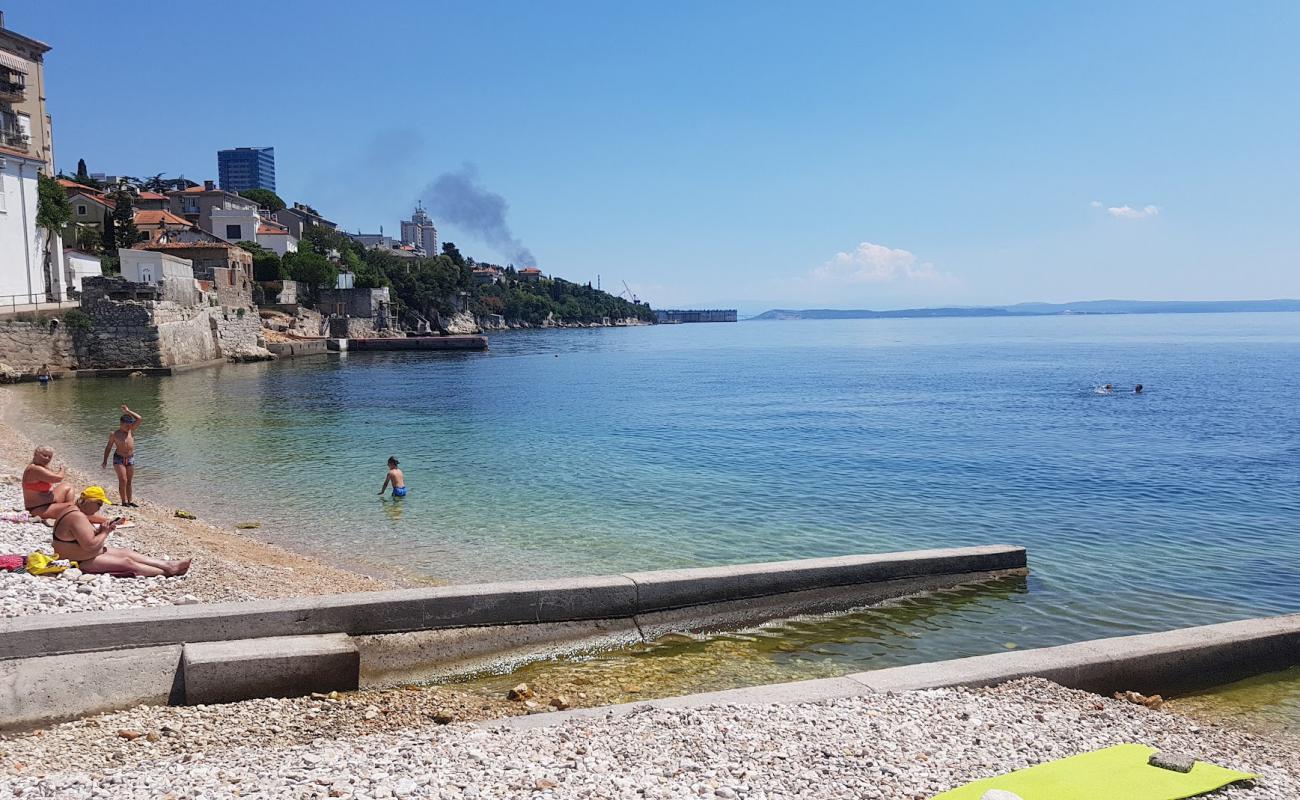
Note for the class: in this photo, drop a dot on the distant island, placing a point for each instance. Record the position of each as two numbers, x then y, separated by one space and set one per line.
1045 309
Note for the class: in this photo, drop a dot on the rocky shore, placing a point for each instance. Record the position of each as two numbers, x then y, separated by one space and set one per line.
910 745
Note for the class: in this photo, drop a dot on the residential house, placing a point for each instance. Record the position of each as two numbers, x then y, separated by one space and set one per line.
484 276
299 217
276 237
30 259
530 274
151 201
172 276
24 124
158 224
198 203
222 267
90 210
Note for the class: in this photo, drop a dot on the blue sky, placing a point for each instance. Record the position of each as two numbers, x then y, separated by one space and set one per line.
747 154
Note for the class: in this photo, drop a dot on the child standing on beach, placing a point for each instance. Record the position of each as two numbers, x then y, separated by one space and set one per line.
394 477
121 443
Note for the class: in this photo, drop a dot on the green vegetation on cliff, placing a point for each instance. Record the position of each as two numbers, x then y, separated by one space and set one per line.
436 285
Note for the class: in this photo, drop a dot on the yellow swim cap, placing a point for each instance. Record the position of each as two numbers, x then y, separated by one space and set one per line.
95 493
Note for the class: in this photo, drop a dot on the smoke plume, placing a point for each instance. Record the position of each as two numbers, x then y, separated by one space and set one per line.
457 198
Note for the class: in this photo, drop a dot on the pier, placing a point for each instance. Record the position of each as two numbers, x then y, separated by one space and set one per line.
677 316
411 343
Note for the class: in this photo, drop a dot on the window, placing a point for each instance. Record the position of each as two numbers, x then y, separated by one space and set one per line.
81 210
231 274
235 233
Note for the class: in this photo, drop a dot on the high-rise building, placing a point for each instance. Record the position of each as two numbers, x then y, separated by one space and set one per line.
419 231
245 168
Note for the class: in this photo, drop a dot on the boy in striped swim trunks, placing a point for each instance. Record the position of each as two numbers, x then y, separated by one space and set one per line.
121 443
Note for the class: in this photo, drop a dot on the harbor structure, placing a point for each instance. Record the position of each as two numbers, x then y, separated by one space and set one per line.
675 316
242 168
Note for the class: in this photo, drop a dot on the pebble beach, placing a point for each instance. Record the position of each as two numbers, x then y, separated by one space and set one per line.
910 745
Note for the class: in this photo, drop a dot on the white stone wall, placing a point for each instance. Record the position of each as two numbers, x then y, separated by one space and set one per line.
21 266
78 265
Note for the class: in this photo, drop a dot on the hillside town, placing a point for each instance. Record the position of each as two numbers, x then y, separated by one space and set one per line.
112 271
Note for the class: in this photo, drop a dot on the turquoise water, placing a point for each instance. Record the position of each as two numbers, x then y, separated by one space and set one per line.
591 451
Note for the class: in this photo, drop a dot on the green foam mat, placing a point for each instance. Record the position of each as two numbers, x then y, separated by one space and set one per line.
1114 773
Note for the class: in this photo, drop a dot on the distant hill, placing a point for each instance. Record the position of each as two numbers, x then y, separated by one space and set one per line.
1045 309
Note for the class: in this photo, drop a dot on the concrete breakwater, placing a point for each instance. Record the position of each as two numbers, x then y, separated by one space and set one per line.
234 651
1170 662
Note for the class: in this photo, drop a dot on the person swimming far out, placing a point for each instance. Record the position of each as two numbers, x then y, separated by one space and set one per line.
394 477
121 443
1137 389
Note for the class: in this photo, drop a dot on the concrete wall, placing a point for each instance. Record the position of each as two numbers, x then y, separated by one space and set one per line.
353 302
78 265
21 270
25 346
150 266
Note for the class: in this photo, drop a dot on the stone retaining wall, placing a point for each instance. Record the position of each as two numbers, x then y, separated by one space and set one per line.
26 346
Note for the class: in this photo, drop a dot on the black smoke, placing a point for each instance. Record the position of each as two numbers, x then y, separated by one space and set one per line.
457 198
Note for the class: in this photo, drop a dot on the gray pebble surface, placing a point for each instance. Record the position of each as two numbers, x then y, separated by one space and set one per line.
22 594
909 745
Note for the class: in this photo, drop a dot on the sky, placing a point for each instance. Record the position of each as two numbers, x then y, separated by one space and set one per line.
746 155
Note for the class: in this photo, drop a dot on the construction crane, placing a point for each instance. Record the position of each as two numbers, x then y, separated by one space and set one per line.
627 291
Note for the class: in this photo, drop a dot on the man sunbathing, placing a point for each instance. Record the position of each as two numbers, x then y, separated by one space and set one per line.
79 539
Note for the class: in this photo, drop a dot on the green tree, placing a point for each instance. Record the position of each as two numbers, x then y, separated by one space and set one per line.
155 183
266 263
310 269
450 250
125 234
52 213
82 175
264 198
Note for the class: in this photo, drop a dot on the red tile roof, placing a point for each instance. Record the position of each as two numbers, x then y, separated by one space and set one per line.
268 230
530 271
149 217
152 196
67 184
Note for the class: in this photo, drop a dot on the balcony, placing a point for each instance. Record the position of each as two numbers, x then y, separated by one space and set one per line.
12 91
11 137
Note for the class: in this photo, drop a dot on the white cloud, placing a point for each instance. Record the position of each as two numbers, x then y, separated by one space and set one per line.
1095 204
876 263
1128 212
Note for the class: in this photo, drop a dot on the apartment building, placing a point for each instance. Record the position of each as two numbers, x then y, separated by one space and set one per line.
24 125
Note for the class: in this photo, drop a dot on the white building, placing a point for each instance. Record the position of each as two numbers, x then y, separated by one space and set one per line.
78 265
248 225
152 267
30 259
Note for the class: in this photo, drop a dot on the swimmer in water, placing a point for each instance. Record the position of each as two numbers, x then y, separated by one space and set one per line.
1137 389
396 478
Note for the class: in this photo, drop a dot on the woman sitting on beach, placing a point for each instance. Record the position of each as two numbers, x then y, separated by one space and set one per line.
43 487
79 539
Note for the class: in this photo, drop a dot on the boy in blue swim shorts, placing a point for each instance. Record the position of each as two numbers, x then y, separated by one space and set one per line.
394 477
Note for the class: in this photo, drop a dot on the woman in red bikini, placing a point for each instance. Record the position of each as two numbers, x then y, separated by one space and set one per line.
42 486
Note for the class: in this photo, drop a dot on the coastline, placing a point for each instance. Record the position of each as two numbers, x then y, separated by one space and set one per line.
228 565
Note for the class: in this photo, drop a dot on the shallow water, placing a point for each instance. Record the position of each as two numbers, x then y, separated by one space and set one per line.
1270 702
594 451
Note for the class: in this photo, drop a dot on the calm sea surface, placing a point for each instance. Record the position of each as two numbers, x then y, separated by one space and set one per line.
593 451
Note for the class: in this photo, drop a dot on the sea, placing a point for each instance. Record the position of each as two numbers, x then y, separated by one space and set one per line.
592 451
